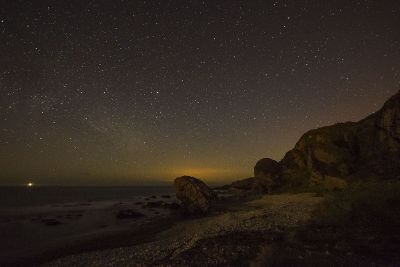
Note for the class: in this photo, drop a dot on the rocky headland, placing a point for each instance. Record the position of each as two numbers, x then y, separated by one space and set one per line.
331 201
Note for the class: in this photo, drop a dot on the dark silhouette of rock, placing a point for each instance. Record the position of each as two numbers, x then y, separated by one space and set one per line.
172 206
267 175
51 222
154 204
129 214
245 184
195 195
334 155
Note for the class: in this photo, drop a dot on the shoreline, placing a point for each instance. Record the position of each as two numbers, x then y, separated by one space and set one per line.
111 240
241 230
235 233
38 234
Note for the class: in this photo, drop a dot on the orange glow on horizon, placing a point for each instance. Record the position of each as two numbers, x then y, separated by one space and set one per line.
208 174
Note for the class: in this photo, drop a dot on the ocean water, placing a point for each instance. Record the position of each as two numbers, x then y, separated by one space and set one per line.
44 195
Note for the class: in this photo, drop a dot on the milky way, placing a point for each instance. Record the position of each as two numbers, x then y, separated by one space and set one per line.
133 92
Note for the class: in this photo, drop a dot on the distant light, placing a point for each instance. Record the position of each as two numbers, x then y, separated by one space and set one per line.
29 184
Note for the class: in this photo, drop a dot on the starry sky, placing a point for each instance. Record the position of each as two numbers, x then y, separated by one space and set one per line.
140 92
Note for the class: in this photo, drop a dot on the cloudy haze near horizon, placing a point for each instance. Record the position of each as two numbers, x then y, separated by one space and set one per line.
139 92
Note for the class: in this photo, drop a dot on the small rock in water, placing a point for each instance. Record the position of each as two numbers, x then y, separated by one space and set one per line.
172 206
51 222
129 214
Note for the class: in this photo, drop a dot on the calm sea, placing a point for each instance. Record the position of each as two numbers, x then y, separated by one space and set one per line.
42 195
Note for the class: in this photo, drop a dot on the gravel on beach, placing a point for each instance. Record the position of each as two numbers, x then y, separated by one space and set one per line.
260 219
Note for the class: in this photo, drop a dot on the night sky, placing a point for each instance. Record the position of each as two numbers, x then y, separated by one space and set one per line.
139 92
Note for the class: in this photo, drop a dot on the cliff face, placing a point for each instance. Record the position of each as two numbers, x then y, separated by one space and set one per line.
343 152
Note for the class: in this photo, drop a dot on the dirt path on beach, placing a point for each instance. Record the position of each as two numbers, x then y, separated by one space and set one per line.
227 238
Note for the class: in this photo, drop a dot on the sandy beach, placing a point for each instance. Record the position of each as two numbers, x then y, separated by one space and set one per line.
248 226
240 230
246 231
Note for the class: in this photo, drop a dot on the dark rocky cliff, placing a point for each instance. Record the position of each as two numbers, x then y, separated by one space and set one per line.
337 154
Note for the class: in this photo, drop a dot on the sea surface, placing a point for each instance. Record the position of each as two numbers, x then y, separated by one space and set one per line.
45 195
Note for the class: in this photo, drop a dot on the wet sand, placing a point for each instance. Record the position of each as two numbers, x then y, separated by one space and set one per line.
34 235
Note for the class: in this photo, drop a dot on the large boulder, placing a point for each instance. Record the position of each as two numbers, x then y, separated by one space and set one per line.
267 175
195 195
348 151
